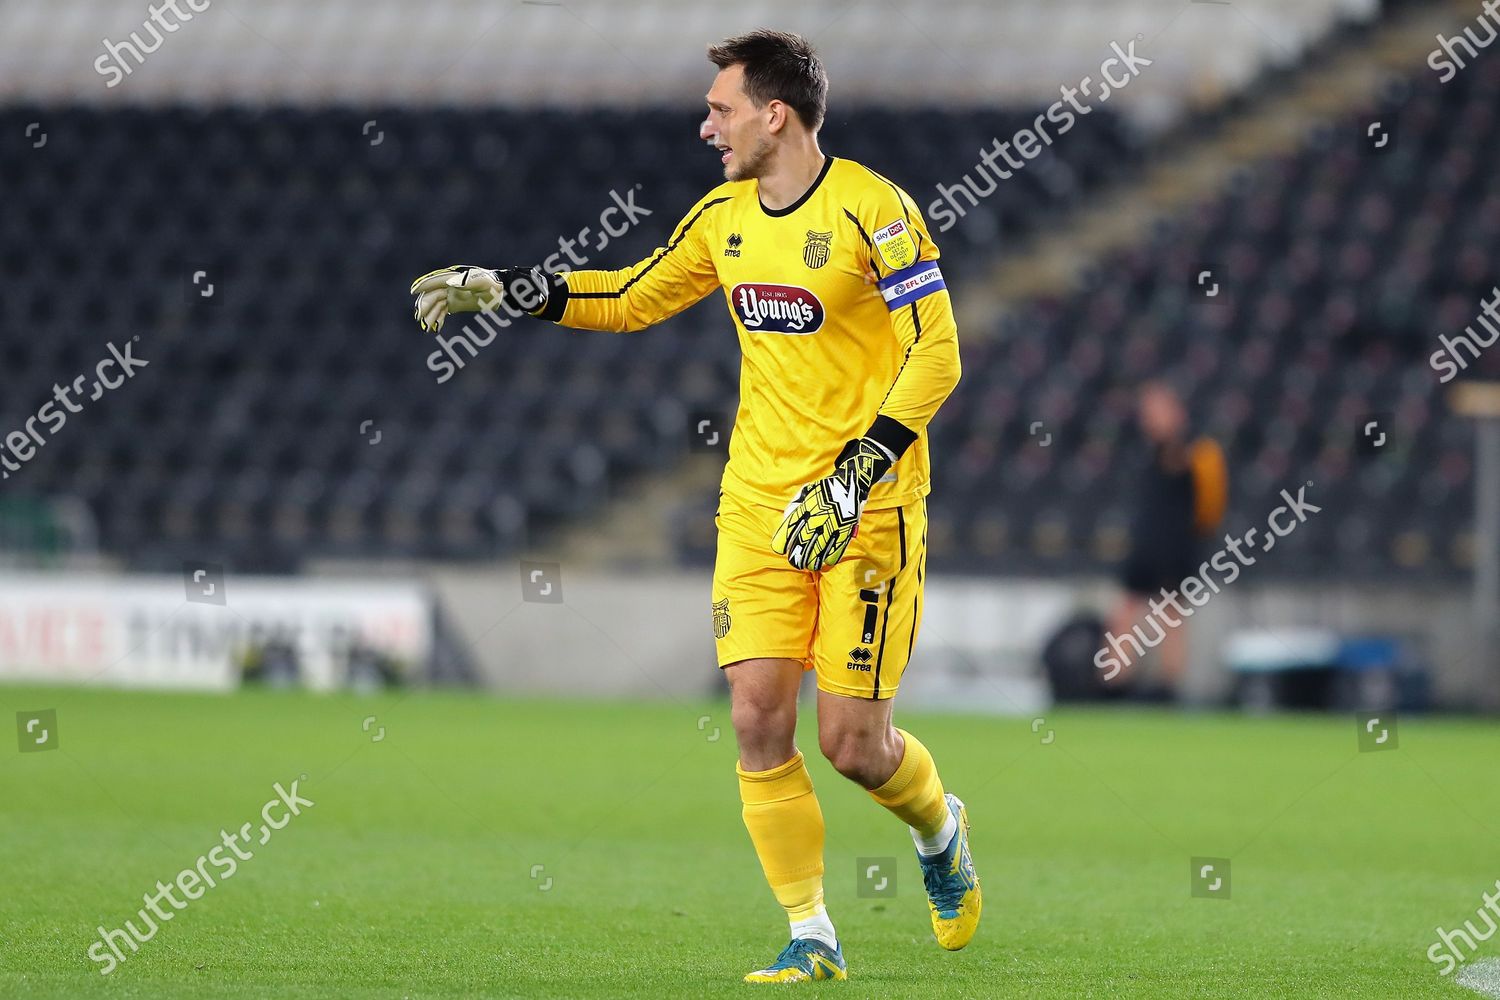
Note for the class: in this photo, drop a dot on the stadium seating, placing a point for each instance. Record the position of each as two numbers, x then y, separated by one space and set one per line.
1340 268
253 431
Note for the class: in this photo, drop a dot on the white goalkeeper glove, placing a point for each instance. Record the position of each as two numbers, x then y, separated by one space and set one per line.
467 288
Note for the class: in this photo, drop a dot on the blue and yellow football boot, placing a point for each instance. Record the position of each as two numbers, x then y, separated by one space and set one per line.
801 961
952 887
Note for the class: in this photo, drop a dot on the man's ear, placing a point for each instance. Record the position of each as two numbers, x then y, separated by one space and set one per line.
776 112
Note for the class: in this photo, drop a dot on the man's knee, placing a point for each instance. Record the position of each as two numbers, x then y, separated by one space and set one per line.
838 749
855 751
762 717
763 710
765 733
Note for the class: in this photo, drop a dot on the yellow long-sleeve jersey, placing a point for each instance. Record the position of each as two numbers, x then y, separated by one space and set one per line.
827 356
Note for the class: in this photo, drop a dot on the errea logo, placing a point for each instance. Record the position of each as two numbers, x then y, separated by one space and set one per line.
786 309
859 658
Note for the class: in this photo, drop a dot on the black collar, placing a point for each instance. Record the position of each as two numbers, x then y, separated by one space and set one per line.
777 213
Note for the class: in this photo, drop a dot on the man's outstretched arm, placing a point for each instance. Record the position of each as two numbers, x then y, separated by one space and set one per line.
674 277
654 289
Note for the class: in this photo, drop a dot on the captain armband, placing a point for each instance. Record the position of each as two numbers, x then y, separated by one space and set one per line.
909 284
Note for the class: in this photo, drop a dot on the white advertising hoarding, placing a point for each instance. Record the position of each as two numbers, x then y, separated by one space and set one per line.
143 631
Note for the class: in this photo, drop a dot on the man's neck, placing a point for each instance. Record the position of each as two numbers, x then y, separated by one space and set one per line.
792 172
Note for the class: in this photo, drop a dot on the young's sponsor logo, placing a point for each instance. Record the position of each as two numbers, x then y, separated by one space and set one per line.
777 309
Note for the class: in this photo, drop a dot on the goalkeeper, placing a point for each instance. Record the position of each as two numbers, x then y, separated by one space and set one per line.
849 347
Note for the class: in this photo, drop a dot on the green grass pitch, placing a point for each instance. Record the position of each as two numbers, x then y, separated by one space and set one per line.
414 875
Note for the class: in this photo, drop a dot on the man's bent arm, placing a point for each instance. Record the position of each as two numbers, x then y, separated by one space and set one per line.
931 369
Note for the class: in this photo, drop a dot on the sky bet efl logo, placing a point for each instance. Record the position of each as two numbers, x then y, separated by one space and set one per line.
777 309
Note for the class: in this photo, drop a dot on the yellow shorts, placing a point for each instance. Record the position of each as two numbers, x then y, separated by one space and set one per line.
855 622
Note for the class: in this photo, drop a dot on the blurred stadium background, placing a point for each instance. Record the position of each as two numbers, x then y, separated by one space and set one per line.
302 443
300 489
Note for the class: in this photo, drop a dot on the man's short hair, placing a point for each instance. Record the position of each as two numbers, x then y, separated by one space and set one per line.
779 66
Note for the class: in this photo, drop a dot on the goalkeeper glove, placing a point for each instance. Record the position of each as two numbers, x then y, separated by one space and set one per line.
823 518
467 288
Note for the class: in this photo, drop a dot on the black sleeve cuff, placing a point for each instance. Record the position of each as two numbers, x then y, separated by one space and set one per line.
557 299
892 435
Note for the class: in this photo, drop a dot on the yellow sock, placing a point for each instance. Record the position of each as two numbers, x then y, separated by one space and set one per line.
786 826
914 792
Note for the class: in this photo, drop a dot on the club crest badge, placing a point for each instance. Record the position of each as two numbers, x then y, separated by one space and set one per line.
815 250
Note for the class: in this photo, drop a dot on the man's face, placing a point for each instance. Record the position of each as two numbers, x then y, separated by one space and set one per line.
736 127
1162 415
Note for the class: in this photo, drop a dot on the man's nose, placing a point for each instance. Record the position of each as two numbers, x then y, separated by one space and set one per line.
706 130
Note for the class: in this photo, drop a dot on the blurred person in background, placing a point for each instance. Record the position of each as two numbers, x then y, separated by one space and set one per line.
1179 501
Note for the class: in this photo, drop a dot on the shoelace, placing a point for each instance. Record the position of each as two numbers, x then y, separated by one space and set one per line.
945 887
796 949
